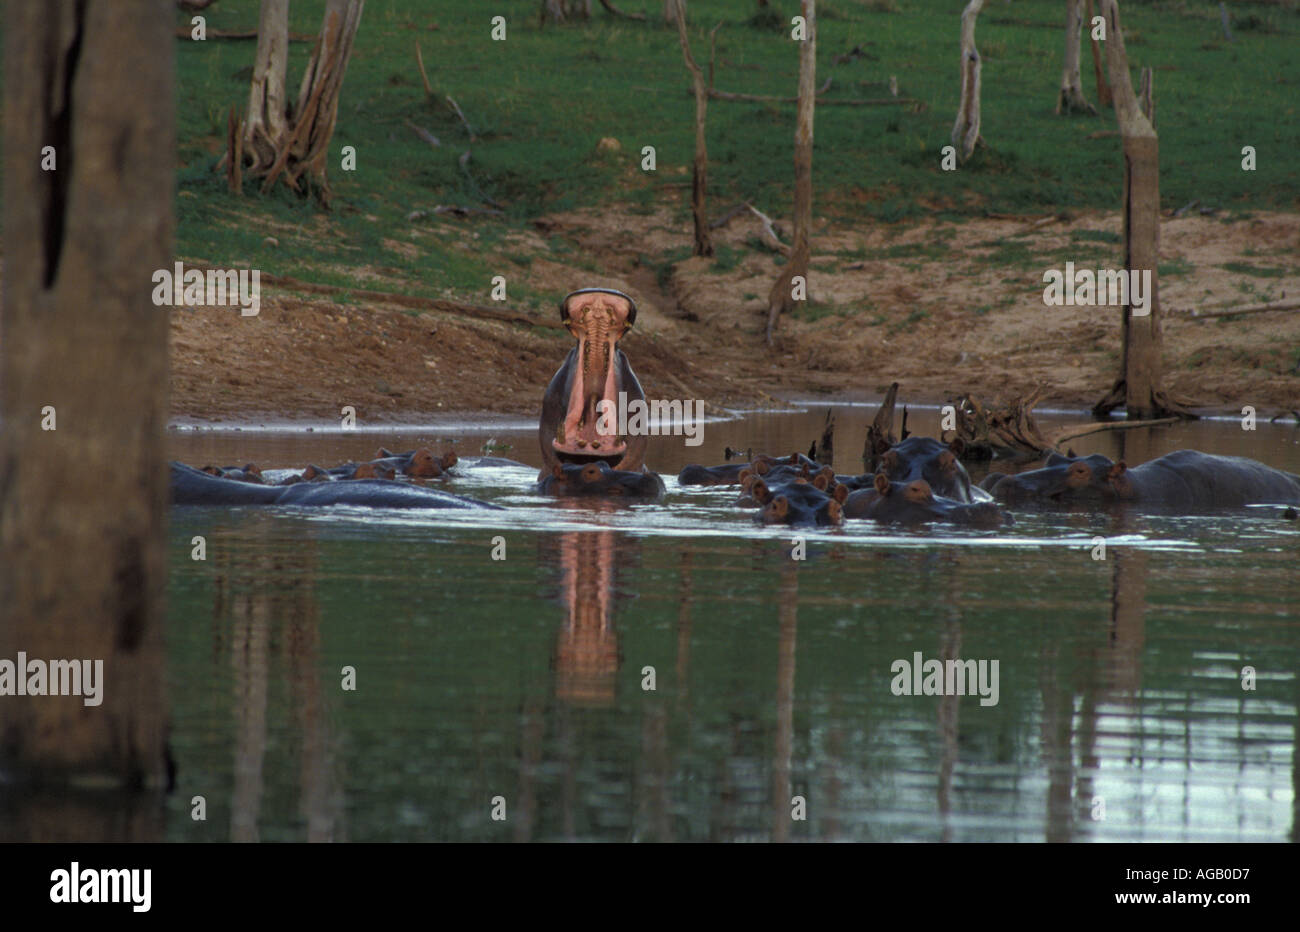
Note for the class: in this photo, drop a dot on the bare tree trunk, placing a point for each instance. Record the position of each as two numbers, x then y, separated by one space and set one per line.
1071 99
1103 86
1139 386
83 506
670 11
966 131
781 298
558 11
294 145
615 11
703 241
267 122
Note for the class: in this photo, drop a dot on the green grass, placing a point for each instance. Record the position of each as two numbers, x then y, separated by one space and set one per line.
542 100
1259 271
1175 268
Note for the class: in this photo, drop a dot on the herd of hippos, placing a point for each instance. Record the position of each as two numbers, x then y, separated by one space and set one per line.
916 480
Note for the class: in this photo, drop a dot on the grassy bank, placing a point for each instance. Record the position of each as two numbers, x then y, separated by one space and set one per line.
541 101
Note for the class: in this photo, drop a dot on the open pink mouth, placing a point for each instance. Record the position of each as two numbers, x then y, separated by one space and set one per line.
598 324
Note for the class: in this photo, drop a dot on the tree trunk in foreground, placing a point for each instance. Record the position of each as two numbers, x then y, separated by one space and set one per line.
781 298
1139 386
83 507
699 185
1071 99
276 143
966 131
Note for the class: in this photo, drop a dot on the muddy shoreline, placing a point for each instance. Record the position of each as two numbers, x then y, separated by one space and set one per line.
941 326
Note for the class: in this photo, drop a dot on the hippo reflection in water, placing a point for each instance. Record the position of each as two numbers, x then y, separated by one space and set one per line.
1187 480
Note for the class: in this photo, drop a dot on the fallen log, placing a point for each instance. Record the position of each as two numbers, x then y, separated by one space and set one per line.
1070 433
187 32
822 101
1007 430
1243 309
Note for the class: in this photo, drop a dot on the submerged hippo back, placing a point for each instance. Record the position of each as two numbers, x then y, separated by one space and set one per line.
1192 479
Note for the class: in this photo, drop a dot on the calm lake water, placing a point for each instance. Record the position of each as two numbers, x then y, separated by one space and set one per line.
518 684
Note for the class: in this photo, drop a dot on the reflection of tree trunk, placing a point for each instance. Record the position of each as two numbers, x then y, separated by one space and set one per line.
1295 770
1057 742
949 709
703 242
1139 386
788 612
655 775
781 298
532 727
568 785
250 656
321 803
685 599
828 803
1071 99
1127 621
83 507
56 814
966 131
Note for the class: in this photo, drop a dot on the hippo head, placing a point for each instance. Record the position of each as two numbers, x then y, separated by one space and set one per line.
936 462
1065 479
598 479
914 502
597 318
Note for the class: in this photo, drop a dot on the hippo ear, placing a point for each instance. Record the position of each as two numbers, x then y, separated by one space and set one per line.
1070 453
881 482
557 471
1057 459
958 447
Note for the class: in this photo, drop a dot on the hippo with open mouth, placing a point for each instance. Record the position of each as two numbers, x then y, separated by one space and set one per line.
572 428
